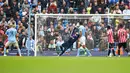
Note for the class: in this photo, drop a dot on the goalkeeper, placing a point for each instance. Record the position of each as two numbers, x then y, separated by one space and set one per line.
66 45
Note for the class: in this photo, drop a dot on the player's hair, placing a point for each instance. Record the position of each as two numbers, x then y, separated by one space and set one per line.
12 25
121 26
108 27
81 23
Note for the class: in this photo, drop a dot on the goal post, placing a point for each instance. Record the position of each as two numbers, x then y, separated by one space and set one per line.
43 27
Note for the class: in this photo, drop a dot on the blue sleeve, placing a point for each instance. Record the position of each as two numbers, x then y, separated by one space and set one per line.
15 32
85 29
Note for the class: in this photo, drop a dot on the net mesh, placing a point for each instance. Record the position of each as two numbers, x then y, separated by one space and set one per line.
50 29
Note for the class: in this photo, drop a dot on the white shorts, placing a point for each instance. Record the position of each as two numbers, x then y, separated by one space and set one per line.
82 40
12 44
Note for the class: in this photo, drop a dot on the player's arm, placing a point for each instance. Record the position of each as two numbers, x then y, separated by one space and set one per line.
126 33
17 36
5 34
118 33
107 33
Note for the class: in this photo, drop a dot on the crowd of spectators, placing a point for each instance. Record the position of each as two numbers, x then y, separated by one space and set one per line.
17 12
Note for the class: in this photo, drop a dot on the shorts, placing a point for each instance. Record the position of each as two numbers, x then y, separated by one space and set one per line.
15 44
123 45
111 45
82 40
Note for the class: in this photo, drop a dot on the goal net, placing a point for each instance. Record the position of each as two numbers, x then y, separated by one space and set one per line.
51 30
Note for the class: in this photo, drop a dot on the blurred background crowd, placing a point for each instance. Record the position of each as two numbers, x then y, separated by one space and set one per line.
17 12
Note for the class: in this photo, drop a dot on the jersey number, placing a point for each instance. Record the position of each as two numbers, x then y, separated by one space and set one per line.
12 33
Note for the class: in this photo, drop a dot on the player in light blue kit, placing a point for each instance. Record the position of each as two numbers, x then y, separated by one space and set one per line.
12 39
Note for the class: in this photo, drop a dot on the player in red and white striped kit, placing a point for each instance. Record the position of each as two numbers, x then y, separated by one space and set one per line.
122 39
110 40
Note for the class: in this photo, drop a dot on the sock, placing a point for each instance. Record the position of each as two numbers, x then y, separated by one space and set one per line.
63 52
19 51
118 51
113 52
109 51
88 52
78 52
127 50
4 51
61 48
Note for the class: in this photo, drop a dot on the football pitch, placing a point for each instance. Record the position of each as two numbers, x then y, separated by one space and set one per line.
64 64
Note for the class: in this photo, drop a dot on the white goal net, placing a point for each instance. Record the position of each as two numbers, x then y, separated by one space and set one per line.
51 30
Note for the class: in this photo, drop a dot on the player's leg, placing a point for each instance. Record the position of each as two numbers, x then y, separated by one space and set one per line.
17 47
88 52
68 51
68 44
81 52
1 47
125 48
109 50
113 51
119 47
58 49
62 52
5 47
78 52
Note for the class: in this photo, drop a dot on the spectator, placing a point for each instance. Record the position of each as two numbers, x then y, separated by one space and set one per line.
101 11
112 1
62 11
8 13
94 7
14 7
11 21
72 3
90 41
81 7
4 22
31 31
70 11
84 11
25 5
87 2
126 11
35 10
39 7
60 3
22 40
35 2
122 6
102 6
117 10
41 32
4 6
44 11
52 8
89 8
24 23
30 44
43 4
64 7
2 15
1 3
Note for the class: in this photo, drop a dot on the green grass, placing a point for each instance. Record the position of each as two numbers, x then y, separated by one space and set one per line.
64 65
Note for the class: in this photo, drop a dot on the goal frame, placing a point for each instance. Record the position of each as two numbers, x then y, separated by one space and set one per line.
36 16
